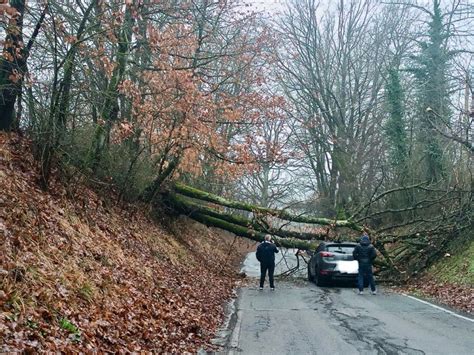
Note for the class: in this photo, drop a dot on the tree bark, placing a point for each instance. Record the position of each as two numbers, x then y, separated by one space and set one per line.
11 63
110 109
60 102
253 229
282 214
190 208
150 192
252 234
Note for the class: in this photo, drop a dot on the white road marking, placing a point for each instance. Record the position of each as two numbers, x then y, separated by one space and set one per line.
440 308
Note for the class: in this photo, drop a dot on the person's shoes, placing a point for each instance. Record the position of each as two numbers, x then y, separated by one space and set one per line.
361 293
272 288
260 288
374 292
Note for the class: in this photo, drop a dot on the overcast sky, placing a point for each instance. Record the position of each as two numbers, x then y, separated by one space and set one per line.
268 5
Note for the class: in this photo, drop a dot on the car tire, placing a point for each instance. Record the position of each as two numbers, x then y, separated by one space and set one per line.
310 276
320 280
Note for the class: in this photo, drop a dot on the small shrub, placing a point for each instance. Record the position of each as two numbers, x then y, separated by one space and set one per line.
65 324
31 324
75 333
121 166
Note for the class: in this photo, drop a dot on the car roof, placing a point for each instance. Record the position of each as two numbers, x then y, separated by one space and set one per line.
339 243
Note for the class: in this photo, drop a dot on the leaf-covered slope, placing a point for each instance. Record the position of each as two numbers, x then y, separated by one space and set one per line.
78 272
457 265
451 279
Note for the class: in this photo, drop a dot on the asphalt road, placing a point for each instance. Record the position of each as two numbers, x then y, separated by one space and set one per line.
301 318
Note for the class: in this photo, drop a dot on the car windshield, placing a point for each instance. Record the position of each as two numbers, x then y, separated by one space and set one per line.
341 249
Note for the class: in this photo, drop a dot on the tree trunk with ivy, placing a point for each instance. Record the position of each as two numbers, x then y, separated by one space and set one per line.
11 62
110 109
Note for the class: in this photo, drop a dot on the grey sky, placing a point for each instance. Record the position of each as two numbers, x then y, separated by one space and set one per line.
268 5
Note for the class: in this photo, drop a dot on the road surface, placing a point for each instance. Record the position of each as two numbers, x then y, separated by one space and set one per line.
301 318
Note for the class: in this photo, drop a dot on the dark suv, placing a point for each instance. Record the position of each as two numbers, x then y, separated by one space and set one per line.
333 261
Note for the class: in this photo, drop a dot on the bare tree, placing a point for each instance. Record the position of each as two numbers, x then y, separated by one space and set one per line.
334 64
270 184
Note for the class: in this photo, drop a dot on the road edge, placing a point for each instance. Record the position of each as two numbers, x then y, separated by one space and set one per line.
225 335
467 317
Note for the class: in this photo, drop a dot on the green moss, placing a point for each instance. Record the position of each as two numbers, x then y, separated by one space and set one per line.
459 266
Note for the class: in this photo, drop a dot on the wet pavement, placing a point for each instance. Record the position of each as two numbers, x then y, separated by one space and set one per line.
284 260
301 318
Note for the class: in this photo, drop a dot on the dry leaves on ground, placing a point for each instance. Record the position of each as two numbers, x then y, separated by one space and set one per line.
457 296
79 272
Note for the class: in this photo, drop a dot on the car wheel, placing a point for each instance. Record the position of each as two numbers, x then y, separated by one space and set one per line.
310 276
320 280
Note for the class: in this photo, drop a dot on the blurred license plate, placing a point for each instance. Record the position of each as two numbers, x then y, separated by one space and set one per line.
348 267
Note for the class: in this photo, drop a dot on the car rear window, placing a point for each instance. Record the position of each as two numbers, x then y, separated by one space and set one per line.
341 249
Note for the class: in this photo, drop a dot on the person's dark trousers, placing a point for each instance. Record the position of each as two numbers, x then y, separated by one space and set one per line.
365 272
263 271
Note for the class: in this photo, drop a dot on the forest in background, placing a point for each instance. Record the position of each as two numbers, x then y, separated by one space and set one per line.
351 110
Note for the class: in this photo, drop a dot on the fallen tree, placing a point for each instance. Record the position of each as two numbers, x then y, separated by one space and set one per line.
254 229
282 214
190 208
397 247
195 204
253 234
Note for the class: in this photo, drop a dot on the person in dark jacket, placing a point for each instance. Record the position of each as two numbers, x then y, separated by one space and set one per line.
266 255
365 254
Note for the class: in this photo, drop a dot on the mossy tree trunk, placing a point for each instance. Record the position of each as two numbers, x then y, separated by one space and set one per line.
190 208
252 234
110 109
282 214
187 200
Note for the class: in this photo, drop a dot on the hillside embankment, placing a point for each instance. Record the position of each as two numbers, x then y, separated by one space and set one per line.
450 280
81 272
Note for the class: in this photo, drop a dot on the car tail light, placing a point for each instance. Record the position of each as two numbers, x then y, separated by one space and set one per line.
326 254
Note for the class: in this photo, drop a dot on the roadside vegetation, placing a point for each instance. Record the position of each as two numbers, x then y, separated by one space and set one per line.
450 280
315 122
79 273
457 265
